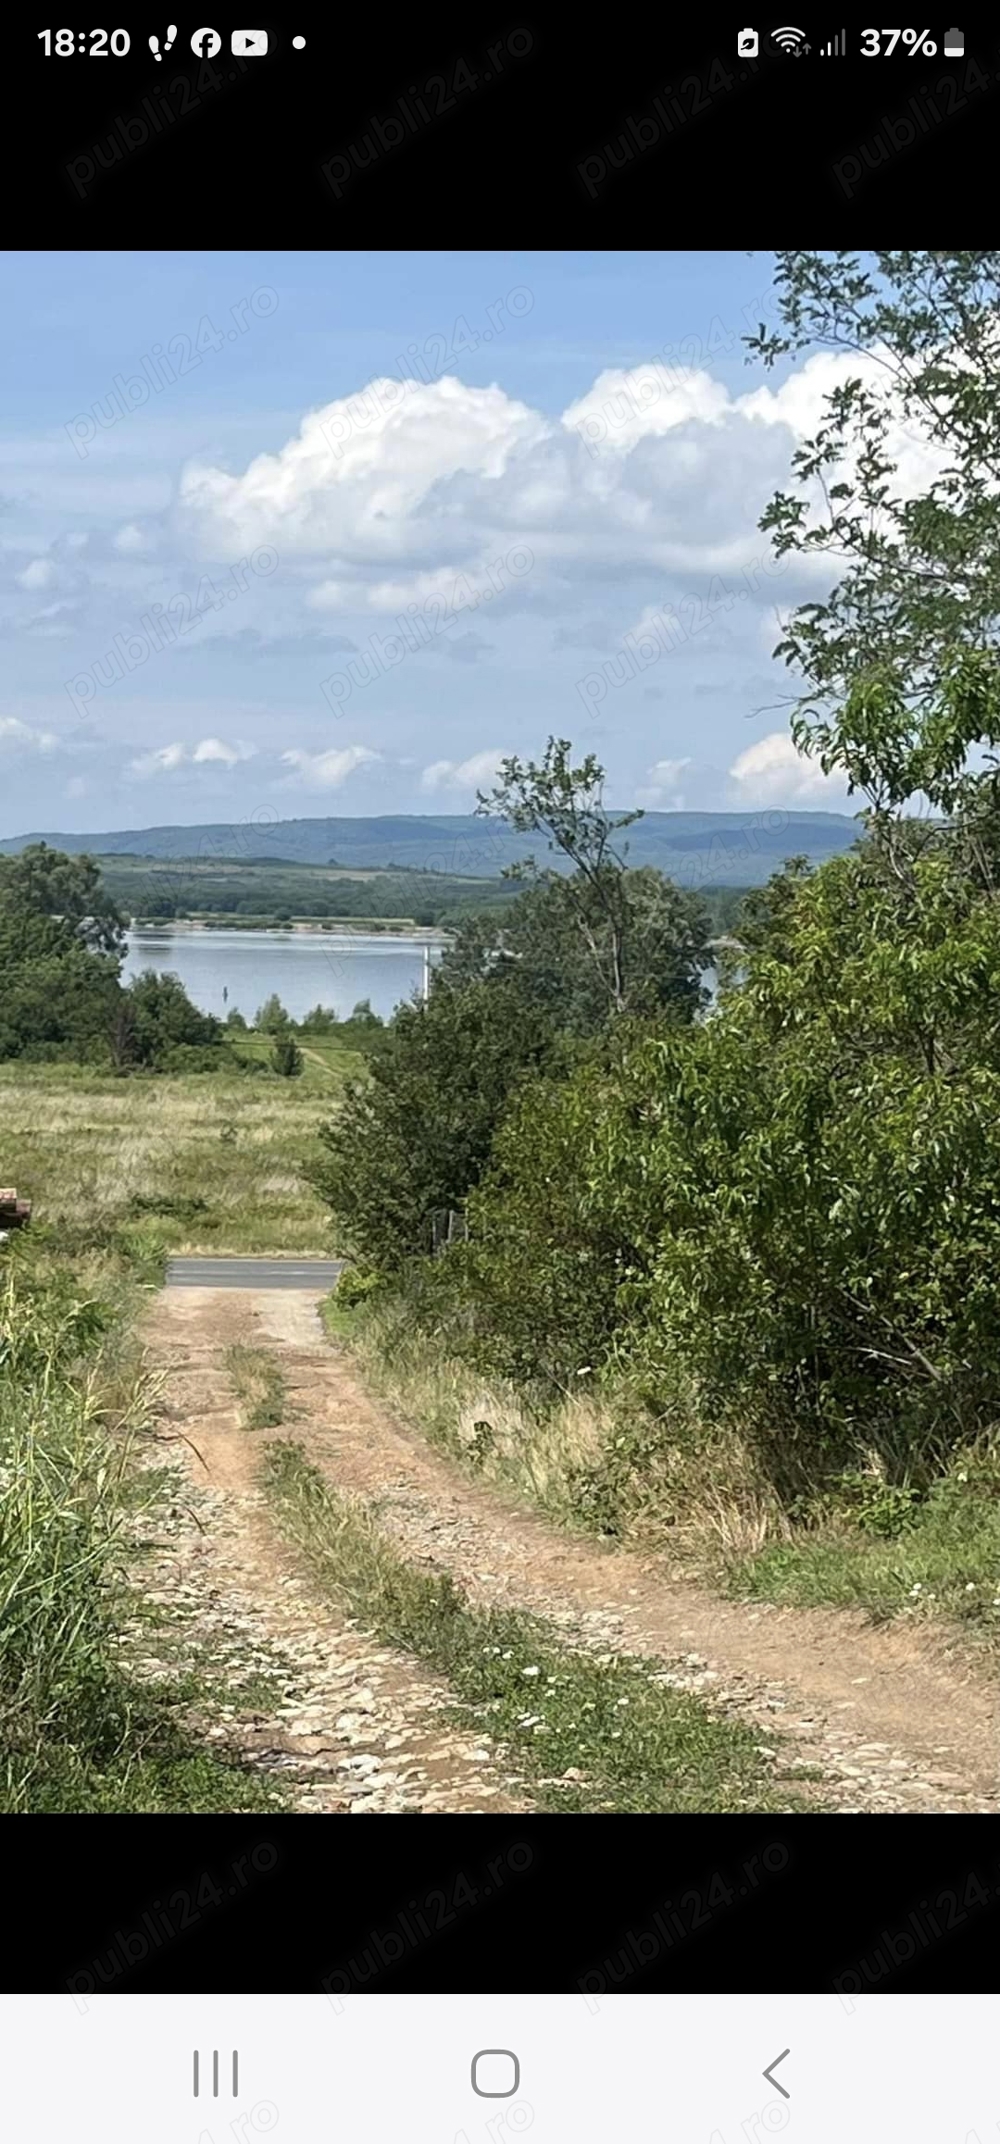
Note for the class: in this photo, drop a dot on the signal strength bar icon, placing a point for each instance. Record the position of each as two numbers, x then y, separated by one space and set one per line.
836 49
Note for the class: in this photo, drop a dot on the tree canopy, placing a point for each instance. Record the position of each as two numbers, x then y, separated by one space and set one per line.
61 946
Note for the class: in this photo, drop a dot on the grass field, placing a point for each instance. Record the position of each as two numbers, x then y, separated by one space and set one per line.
213 1161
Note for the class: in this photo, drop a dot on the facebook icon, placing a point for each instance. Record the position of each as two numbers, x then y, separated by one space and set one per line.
206 43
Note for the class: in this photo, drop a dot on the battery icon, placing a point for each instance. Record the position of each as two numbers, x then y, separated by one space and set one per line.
954 44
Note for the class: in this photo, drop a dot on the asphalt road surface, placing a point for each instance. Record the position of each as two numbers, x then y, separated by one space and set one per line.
315 1273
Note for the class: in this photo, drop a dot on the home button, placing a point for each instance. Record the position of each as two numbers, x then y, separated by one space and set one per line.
496 2073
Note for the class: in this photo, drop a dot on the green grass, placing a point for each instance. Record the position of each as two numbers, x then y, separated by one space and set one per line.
945 1560
338 1324
212 1161
259 1385
156 1767
326 1063
80 1729
595 1461
628 1741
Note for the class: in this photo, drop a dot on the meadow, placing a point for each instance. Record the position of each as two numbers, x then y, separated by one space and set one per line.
210 1161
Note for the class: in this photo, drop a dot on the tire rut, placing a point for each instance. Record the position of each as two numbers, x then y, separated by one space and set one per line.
893 1719
359 1730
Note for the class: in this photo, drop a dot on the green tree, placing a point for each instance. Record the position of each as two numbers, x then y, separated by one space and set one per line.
539 1279
791 1207
67 889
163 1018
414 1136
763 921
566 804
286 1057
819 1228
61 945
271 1017
122 1034
899 663
539 937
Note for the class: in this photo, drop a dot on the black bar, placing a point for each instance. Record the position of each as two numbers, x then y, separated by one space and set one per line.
330 1909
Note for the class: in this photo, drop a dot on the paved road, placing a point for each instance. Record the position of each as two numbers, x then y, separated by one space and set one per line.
317 1274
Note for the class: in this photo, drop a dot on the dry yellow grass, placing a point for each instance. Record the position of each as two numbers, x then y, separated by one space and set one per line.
595 1458
216 1161
484 1423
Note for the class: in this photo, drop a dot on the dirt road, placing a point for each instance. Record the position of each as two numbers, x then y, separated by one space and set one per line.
893 1718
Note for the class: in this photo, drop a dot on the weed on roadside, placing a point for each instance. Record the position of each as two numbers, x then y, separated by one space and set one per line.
591 1731
259 1384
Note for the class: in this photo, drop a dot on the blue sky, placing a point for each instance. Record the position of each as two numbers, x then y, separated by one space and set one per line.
330 533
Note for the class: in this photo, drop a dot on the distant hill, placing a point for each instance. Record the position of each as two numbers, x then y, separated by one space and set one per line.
696 848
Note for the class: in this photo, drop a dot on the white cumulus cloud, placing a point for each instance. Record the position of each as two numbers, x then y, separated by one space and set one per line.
164 760
473 773
216 748
662 788
39 574
771 771
361 469
19 736
380 501
168 757
131 541
328 770
622 407
383 499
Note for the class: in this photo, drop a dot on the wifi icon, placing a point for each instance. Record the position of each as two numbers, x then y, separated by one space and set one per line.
788 39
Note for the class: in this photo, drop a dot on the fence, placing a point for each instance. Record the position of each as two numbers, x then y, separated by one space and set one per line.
447 1227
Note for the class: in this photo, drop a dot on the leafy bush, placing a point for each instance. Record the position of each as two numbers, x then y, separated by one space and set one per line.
544 1263
354 1287
194 1057
792 1205
271 1017
157 1020
168 1206
824 1238
286 1057
61 946
879 1507
415 1135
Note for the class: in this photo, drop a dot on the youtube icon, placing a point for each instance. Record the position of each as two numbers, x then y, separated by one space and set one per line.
249 44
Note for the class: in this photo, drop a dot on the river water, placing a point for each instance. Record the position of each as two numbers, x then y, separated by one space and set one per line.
306 968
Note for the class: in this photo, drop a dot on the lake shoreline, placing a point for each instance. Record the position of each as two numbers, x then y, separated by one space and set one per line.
226 970
363 927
